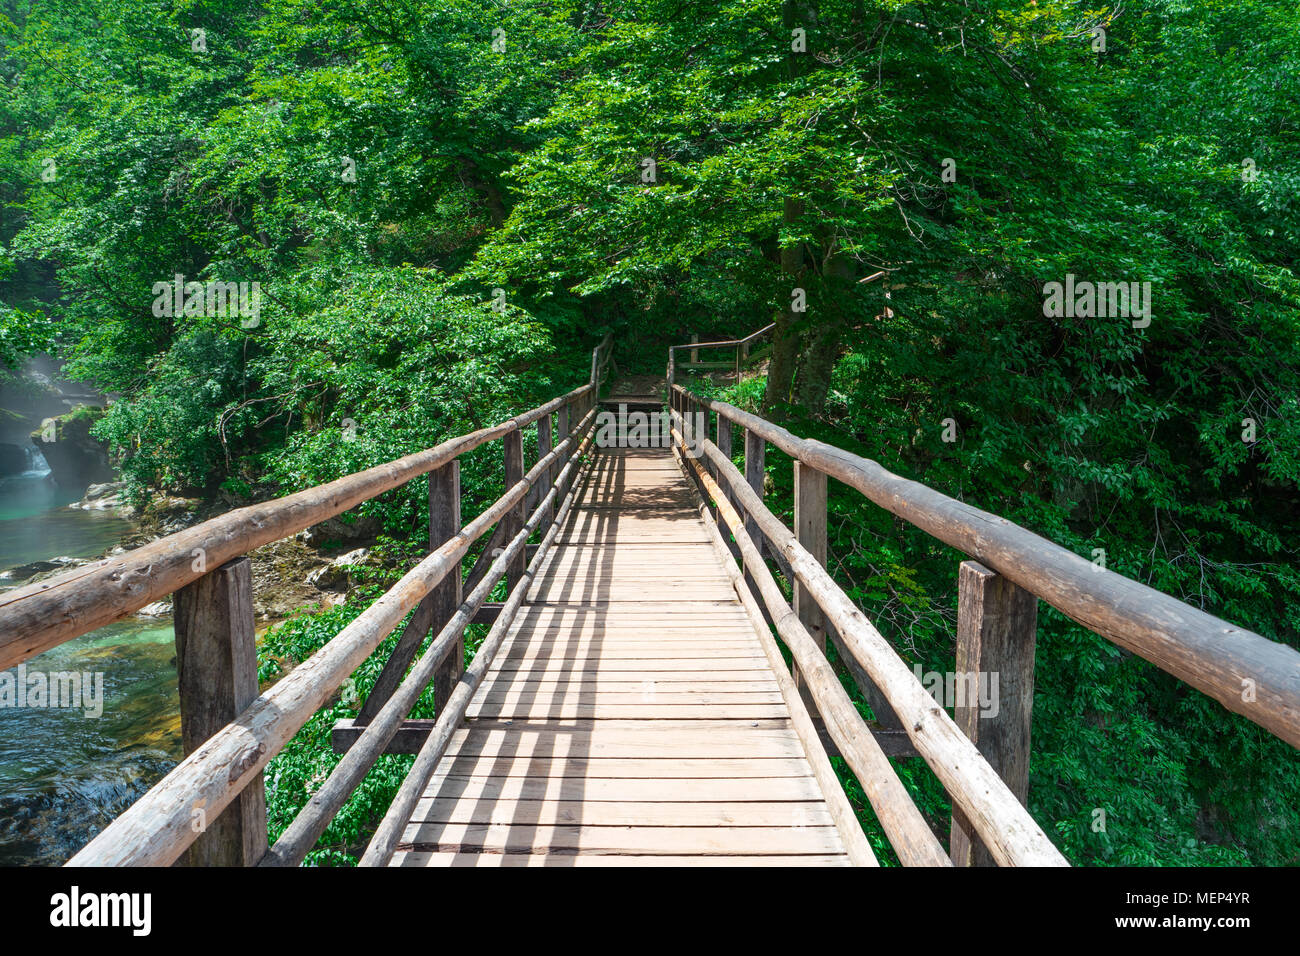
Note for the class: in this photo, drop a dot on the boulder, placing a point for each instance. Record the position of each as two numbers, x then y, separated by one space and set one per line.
24 571
336 530
13 460
335 574
107 489
38 568
76 458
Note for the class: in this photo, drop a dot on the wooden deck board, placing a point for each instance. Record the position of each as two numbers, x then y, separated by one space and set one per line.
630 716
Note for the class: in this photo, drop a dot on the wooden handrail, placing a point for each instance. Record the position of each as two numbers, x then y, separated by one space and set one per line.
301 835
384 842
841 811
903 823
672 350
723 342
157 828
40 616
1011 834
1218 658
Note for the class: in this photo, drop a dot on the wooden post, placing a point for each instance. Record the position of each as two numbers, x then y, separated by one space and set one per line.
445 598
216 662
514 518
722 438
996 625
433 611
810 531
543 449
695 353
755 451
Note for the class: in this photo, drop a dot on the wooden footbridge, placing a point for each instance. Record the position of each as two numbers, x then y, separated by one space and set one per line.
631 703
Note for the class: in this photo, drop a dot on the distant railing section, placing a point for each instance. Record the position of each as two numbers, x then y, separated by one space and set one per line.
211 807
741 347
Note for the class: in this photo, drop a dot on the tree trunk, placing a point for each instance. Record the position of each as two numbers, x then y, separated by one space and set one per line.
813 377
816 365
786 338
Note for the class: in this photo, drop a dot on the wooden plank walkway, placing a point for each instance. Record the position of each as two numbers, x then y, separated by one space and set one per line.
631 717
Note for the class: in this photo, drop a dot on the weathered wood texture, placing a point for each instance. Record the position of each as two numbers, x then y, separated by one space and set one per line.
810 531
216 664
445 598
514 519
627 698
858 849
908 833
438 606
155 830
996 625
301 835
1006 827
43 615
1247 673
544 439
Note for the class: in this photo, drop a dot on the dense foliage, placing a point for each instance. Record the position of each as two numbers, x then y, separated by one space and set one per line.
445 204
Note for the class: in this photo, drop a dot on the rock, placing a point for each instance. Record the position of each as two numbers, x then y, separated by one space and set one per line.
167 515
25 571
36 569
13 460
336 573
156 609
358 556
278 572
336 530
76 458
105 490
104 500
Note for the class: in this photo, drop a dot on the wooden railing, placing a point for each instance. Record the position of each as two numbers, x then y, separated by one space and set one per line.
212 804
741 347
982 761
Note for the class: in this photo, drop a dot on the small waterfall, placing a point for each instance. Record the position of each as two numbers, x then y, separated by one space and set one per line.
37 466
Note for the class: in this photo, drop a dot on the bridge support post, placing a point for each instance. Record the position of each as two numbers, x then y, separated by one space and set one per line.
434 611
513 521
544 446
810 530
216 662
996 626
445 598
755 452
723 441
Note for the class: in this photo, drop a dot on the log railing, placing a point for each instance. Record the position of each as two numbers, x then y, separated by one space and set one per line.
981 760
741 347
211 807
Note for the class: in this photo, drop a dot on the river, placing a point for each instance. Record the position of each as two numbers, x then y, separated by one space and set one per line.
63 774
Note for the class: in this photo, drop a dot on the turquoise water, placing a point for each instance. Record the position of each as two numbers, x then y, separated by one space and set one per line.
63 773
